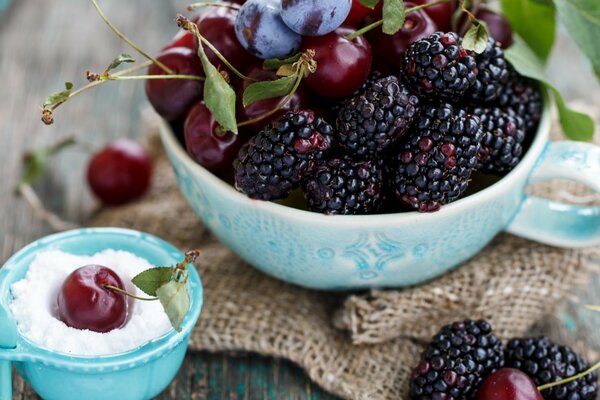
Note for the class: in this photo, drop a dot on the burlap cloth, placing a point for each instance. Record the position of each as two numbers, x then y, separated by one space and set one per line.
363 345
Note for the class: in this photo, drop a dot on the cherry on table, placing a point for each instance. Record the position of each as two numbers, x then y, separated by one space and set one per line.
84 303
120 172
508 384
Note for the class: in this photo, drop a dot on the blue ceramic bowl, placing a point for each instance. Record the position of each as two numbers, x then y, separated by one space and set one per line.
394 250
138 374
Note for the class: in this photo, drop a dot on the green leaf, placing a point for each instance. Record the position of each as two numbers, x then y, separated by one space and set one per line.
59 97
476 37
151 279
535 22
582 20
218 94
393 16
369 3
575 125
122 58
175 300
275 63
36 162
269 89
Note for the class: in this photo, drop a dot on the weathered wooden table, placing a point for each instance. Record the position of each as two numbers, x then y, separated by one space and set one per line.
42 45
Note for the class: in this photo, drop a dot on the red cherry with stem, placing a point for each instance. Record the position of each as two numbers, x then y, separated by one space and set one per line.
171 98
183 38
357 15
300 100
119 173
389 49
508 384
85 303
499 27
205 144
342 65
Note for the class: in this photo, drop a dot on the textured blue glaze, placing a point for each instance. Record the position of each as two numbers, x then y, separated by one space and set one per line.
138 374
315 17
394 250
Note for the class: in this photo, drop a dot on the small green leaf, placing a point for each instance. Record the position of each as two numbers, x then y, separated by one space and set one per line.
393 16
369 3
151 279
269 89
575 125
123 58
36 161
59 97
175 300
218 94
275 63
477 37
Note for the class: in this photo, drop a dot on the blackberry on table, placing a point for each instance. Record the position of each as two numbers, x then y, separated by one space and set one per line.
547 362
274 161
433 166
492 73
439 66
523 97
502 144
456 362
345 186
369 123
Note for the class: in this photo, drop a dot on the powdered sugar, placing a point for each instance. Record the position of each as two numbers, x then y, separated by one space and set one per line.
34 306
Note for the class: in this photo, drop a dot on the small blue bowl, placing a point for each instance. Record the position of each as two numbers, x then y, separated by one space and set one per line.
138 374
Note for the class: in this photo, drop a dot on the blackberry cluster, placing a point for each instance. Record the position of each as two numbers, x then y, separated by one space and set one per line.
502 144
439 66
368 124
546 362
523 97
433 166
492 73
275 161
457 361
345 186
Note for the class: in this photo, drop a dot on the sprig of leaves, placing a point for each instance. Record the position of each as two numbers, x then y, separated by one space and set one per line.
36 162
59 97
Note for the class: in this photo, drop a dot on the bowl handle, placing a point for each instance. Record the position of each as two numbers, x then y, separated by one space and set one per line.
8 340
555 223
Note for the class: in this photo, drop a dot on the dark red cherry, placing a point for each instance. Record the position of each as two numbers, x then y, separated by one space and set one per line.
388 50
84 303
357 15
342 65
508 384
205 145
172 98
499 27
441 14
300 100
183 39
119 173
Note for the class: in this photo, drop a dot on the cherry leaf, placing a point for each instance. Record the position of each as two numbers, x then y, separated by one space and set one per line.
36 162
477 37
150 280
276 63
393 16
122 58
59 97
175 300
269 89
369 3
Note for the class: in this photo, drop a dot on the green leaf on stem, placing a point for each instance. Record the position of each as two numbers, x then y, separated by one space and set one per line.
36 162
150 280
369 3
276 63
122 58
575 125
175 300
269 89
393 16
59 97
476 37
535 22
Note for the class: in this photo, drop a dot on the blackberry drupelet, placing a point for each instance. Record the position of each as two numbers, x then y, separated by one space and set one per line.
274 161
345 186
523 97
433 166
547 362
492 73
439 66
502 144
369 123
456 362
373 76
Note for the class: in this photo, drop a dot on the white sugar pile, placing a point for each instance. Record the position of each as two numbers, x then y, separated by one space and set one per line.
35 310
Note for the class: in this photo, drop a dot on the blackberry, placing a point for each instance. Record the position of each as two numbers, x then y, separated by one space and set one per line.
456 362
547 362
492 73
274 161
523 97
433 166
502 144
345 186
369 123
373 76
438 65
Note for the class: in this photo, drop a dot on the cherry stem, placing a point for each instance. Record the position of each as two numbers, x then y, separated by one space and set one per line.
224 4
126 293
190 258
151 77
375 24
129 42
570 379
56 223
